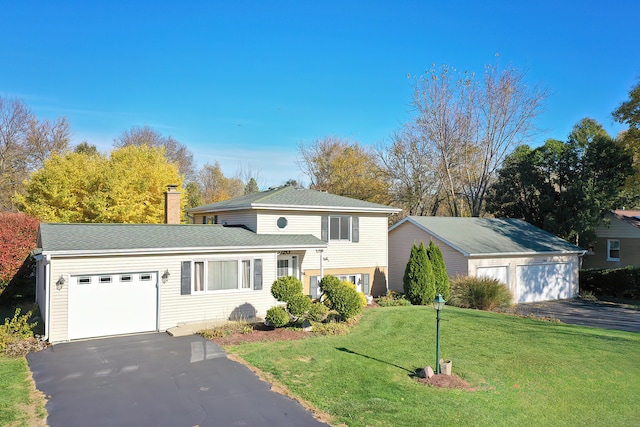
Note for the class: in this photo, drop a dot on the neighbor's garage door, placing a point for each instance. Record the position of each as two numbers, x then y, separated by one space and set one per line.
543 282
112 304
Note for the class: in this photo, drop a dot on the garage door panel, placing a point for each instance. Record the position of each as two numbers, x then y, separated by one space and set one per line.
101 305
543 282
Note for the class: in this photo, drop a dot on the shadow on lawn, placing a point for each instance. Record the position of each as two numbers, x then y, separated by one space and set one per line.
346 350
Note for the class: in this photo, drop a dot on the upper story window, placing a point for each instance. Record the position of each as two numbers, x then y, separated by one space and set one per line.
340 227
282 223
613 250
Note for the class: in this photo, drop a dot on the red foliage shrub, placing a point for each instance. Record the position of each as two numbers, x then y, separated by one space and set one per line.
18 235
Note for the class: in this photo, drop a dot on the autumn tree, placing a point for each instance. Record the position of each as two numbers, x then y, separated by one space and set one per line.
564 188
175 151
18 234
215 186
345 168
467 125
25 142
125 187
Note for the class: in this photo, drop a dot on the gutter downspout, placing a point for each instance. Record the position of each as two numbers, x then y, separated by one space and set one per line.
47 309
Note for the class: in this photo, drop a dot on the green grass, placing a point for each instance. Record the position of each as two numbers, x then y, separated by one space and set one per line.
526 371
19 403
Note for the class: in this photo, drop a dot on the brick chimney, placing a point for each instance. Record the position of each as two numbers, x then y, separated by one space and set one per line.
172 205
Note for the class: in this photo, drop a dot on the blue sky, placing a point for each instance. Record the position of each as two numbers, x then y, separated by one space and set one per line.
245 82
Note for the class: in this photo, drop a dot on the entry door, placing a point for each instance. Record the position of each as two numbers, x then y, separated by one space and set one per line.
288 266
112 304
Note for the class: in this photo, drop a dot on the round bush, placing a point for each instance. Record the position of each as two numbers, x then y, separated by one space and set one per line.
482 293
277 317
286 287
318 312
346 301
361 295
298 305
327 285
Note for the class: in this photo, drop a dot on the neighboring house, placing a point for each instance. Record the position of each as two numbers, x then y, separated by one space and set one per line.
617 241
107 279
534 264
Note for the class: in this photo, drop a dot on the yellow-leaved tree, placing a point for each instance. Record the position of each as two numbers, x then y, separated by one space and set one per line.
125 187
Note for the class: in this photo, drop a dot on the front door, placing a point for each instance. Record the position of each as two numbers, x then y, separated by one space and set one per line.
288 266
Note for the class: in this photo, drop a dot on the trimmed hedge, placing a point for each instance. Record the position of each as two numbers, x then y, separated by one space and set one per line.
616 282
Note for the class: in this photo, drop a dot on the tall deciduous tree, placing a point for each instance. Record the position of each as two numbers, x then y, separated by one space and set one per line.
175 151
215 187
629 113
345 168
564 188
25 142
126 187
467 126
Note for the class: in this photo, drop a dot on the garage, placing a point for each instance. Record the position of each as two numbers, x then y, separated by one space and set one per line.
543 282
500 273
112 304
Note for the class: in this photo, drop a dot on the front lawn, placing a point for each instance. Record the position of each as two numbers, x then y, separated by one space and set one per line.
525 371
20 403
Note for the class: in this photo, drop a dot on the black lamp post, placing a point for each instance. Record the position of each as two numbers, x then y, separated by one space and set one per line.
438 304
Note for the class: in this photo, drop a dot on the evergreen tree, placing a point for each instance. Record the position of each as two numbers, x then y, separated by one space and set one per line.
419 280
439 270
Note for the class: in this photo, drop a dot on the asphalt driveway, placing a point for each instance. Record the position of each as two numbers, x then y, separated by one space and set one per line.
156 380
586 313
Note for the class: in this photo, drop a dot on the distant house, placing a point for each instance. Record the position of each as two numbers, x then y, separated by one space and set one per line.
618 241
107 279
534 264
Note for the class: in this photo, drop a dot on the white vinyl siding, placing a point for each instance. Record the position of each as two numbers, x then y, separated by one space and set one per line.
173 308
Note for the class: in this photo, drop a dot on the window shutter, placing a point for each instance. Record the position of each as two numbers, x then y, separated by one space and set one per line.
185 278
313 286
355 229
257 274
365 284
324 233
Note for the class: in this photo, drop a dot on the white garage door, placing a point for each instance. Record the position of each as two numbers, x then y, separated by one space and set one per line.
500 273
112 304
543 282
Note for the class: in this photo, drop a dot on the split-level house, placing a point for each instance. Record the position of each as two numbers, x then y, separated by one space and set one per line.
107 279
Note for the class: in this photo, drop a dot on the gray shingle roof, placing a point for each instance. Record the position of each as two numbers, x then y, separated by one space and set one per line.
296 198
483 236
101 238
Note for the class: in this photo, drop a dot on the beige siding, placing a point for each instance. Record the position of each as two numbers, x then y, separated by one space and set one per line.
629 254
173 307
297 222
617 229
402 238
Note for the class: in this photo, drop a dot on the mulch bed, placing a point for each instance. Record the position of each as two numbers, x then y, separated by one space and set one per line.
446 381
262 333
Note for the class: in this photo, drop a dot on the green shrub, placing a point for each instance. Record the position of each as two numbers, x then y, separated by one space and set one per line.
284 288
277 317
298 305
318 312
419 280
615 282
439 270
361 295
482 293
346 302
327 286
16 328
393 299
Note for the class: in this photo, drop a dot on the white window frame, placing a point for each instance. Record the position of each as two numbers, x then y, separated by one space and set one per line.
341 218
205 269
610 244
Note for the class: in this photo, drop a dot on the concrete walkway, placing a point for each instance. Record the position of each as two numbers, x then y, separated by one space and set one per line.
585 313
